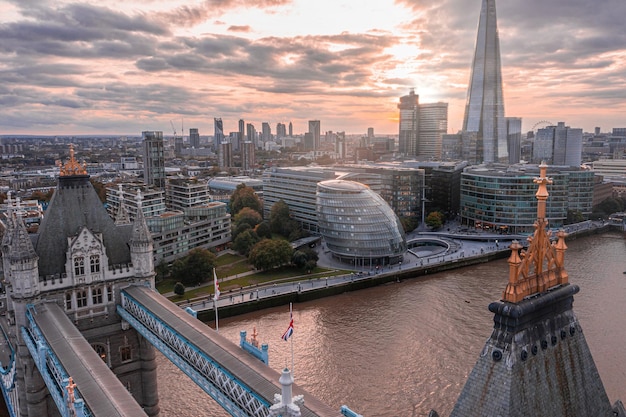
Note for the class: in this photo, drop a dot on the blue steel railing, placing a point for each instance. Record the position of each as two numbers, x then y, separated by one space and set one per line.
51 370
232 394
8 376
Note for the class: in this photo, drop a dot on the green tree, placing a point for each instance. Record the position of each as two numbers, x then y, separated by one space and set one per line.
41 196
245 241
574 216
239 228
268 254
162 270
248 216
281 222
100 189
263 230
179 288
194 268
244 196
608 206
434 220
305 258
409 223
299 259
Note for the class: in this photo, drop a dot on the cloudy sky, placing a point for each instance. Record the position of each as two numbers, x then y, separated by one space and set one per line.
123 66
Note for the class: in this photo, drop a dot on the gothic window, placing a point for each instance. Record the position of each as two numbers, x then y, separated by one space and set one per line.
79 265
109 293
96 296
101 350
94 262
68 301
125 353
81 298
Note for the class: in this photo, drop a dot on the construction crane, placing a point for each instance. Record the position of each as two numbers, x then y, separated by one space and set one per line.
173 128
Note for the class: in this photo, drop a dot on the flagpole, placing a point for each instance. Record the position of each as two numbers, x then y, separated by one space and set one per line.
216 296
291 318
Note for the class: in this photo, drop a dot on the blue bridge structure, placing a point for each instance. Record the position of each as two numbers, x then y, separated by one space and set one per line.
81 384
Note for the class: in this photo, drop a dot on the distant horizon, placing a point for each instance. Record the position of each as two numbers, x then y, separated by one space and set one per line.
77 68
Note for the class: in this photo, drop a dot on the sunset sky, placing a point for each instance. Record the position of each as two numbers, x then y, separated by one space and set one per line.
121 67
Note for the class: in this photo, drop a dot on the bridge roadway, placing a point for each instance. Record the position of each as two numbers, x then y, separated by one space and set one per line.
102 392
259 377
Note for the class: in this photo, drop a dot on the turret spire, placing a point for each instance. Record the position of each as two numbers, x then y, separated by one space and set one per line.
542 266
71 167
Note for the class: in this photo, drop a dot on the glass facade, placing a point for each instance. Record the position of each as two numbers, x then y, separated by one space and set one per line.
357 225
484 110
503 198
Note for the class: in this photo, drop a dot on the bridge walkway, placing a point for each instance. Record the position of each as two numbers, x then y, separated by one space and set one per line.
259 378
100 389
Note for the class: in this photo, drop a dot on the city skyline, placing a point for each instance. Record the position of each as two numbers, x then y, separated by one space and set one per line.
78 68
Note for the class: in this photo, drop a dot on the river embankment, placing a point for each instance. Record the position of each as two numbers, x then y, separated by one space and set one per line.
268 295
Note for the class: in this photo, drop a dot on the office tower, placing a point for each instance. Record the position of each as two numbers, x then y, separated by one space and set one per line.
153 159
422 127
251 134
433 124
219 133
514 138
308 142
266 132
314 130
178 145
484 109
340 145
558 145
281 130
409 111
194 138
370 133
247 156
290 129
241 137
225 154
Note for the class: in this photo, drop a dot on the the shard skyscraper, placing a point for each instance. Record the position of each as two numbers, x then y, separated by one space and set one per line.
484 110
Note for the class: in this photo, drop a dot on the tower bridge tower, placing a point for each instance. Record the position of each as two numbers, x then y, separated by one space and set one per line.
537 361
79 259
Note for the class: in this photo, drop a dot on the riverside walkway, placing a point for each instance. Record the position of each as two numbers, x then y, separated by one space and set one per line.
465 248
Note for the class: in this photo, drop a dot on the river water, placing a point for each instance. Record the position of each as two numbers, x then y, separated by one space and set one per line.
405 348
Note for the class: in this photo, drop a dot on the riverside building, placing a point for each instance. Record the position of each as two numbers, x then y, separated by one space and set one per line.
501 197
357 225
192 221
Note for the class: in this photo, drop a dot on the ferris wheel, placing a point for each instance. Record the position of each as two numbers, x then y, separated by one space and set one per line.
542 124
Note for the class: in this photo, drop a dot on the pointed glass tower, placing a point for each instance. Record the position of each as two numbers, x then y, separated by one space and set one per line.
484 110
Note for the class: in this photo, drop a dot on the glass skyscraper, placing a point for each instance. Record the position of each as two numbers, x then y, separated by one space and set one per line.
484 110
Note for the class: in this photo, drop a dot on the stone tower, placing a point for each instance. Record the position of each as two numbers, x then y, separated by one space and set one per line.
537 361
80 259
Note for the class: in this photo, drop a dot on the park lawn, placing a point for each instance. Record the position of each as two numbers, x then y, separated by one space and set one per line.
228 258
283 274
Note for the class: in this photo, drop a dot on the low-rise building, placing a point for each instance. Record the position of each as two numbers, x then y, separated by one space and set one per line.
502 197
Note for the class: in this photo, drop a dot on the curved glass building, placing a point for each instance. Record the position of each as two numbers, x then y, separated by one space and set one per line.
357 225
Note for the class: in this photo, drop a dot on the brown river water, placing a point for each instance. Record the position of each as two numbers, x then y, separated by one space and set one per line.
405 348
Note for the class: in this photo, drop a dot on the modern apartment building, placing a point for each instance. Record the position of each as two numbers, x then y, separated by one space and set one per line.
153 159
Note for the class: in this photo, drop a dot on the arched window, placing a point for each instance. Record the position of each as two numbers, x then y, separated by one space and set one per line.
96 295
81 298
101 350
94 263
68 301
79 265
